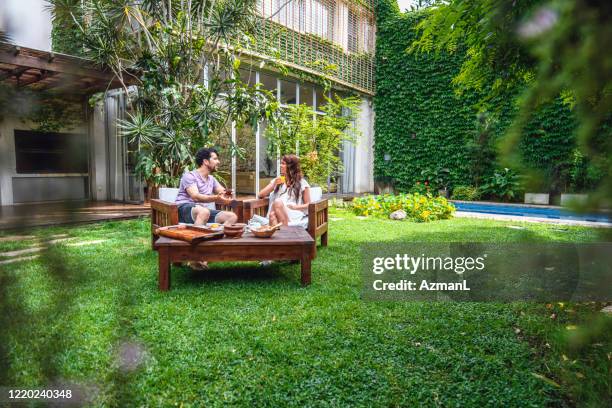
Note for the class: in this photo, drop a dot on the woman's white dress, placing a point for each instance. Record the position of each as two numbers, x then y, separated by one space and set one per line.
296 217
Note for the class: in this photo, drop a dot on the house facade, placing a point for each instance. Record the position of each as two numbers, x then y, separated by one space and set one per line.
317 39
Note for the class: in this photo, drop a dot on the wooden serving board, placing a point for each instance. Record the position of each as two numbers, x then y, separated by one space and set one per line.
187 233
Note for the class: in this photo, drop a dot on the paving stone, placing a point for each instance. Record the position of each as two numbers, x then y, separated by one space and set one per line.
26 258
21 251
16 238
85 243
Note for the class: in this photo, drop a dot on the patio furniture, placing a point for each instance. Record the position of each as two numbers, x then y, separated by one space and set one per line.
289 243
317 213
164 211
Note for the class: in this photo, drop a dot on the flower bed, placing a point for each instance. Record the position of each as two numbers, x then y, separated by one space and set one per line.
418 207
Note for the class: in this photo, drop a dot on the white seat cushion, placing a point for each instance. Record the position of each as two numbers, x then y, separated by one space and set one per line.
168 194
315 193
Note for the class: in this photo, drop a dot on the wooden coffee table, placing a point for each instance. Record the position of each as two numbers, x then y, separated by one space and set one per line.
288 243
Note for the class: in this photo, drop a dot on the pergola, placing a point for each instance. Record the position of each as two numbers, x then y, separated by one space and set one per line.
27 68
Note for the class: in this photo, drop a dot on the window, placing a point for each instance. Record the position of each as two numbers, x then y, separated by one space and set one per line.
41 152
353 31
307 16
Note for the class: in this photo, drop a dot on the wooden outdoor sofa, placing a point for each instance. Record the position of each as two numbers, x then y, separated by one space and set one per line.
164 212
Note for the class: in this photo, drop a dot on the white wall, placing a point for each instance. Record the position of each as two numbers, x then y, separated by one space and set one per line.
364 149
27 22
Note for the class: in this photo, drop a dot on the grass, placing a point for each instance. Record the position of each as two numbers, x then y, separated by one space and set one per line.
244 335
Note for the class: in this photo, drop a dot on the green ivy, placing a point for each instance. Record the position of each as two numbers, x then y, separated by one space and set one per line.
423 124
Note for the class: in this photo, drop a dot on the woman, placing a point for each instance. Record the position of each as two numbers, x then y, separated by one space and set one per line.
289 193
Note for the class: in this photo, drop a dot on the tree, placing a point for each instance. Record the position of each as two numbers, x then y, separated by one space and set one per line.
549 49
183 58
317 137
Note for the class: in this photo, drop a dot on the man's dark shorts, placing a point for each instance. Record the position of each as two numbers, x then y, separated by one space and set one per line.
184 213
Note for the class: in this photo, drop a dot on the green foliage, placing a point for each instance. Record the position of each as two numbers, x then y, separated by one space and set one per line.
544 51
418 208
422 123
466 193
484 31
174 111
317 137
42 110
504 184
585 174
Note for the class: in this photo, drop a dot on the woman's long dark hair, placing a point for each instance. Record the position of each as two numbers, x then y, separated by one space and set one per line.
294 176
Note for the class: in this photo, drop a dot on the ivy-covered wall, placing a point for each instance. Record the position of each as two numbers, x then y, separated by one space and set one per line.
423 125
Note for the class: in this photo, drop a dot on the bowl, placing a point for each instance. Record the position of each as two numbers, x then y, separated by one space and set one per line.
234 230
263 232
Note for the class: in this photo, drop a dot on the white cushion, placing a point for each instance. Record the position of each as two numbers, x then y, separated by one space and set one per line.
168 194
315 193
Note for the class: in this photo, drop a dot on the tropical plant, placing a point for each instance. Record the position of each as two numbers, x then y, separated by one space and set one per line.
317 138
184 59
504 184
436 178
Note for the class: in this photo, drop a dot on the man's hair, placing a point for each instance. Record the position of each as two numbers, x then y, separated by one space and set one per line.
204 154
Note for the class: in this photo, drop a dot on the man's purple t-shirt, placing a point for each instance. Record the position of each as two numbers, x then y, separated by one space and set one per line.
205 186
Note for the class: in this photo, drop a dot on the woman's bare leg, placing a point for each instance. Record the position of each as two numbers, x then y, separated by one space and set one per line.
273 219
281 212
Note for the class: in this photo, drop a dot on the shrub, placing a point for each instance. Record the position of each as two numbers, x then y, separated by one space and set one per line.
421 188
418 207
504 185
467 193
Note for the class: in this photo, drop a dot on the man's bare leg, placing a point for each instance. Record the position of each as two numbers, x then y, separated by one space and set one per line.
226 218
200 215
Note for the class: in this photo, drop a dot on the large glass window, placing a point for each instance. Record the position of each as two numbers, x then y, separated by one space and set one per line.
268 82
306 94
320 98
288 93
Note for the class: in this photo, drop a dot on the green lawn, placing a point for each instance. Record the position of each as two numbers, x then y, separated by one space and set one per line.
244 335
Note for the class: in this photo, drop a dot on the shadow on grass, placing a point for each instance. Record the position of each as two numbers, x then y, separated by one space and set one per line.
277 272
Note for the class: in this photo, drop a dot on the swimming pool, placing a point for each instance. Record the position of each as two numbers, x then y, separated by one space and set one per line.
529 211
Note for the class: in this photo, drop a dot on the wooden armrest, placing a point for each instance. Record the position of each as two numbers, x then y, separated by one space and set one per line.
163 206
317 206
232 204
256 203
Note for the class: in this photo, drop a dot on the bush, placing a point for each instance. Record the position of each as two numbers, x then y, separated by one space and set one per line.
503 185
467 193
418 207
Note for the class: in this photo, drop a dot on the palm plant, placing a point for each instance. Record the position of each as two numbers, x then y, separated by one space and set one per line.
183 57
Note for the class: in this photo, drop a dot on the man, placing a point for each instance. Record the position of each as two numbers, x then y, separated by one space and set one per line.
199 190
